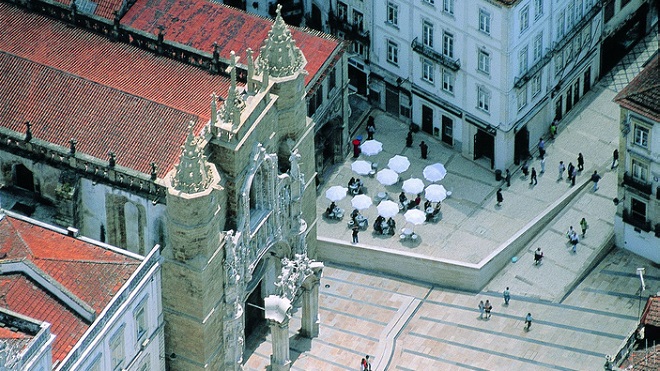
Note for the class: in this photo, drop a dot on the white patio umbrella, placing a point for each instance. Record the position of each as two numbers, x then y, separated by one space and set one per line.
414 216
399 163
387 209
371 147
387 177
435 172
361 167
435 193
361 202
336 193
413 185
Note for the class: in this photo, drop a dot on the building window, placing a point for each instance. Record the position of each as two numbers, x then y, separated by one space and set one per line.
358 20
522 97
560 24
559 64
524 18
140 321
427 34
448 6
522 60
483 98
96 365
358 48
569 16
578 11
609 10
447 81
586 34
538 9
624 3
577 43
638 209
448 44
568 51
640 170
484 21
536 84
641 136
342 11
392 52
427 70
392 14
538 47
484 62
117 349
332 80
430 1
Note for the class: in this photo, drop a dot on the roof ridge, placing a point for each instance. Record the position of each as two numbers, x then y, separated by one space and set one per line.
87 261
73 75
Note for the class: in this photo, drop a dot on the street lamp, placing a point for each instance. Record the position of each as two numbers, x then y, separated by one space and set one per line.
642 287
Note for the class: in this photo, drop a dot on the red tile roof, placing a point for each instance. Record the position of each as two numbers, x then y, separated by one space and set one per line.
160 95
199 23
643 360
92 273
642 94
651 314
104 8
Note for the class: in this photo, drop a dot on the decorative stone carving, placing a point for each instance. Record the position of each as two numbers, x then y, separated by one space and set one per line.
293 275
279 55
230 112
193 173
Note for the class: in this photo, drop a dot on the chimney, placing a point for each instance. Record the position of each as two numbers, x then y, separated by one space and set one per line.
72 232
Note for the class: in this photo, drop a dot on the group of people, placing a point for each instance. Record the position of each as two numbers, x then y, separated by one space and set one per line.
431 212
572 235
383 226
409 204
486 308
355 186
334 212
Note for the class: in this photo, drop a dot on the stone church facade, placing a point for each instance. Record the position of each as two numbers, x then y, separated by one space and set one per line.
235 216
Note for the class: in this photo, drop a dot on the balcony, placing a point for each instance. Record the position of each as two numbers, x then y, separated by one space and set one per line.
351 31
636 221
430 53
558 47
640 185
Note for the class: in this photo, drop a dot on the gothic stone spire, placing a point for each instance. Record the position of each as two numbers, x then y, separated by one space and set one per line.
279 55
193 173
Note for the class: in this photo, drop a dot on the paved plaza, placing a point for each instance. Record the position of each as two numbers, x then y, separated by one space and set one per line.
582 310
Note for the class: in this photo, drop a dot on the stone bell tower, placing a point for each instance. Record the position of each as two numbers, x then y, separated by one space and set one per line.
192 287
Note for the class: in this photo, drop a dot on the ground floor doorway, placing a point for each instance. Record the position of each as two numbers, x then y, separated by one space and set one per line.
484 146
427 119
448 130
521 146
358 79
392 100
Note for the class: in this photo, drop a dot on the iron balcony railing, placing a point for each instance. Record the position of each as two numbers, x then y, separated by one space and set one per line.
432 54
640 185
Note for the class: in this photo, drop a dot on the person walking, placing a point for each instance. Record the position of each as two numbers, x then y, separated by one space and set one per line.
580 160
573 174
538 256
365 365
561 169
488 307
528 321
481 309
409 139
553 129
507 178
542 165
584 226
532 179
574 241
425 149
371 128
525 168
507 296
499 197
541 146
595 178
615 158
356 230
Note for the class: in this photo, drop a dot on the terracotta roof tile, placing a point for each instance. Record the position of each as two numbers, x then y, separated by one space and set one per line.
651 314
199 23
642 94
109 93
104 8
92 273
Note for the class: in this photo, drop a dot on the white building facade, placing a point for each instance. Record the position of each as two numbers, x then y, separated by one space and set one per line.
485 77
637 220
